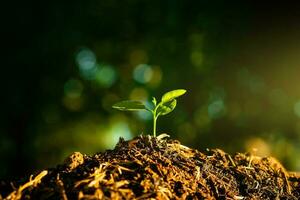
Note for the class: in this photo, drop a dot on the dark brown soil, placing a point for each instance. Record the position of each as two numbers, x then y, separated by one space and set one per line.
158 168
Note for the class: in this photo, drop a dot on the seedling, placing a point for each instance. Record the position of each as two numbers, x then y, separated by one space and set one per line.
165 106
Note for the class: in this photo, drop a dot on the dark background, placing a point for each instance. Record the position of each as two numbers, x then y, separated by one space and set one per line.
66 62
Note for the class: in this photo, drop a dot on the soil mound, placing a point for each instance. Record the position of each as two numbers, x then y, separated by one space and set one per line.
158 168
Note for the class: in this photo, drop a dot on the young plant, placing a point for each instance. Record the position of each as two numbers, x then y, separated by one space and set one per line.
165 106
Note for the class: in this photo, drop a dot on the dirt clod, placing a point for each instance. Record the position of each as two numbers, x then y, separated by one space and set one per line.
150 168
74 160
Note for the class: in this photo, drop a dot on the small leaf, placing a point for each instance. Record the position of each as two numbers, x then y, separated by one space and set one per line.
154 101
167 107
129 105
172 95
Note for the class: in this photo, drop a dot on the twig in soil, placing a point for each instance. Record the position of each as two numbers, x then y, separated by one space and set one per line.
238 197
16 195
231 160
162 136
61 187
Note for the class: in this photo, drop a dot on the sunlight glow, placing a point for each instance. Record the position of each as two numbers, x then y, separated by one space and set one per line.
139 94
258 147
105 75
118 129
86 61
73 88
216 109
142 73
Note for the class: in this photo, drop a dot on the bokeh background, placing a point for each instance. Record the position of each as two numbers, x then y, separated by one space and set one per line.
67 62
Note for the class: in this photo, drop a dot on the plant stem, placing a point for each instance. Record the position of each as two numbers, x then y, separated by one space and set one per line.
155 116
154 124
154 119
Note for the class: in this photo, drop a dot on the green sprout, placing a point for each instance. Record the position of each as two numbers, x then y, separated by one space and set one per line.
165 106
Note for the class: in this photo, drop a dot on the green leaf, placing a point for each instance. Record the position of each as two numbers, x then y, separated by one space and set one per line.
172 95
154 101
129 105
167 107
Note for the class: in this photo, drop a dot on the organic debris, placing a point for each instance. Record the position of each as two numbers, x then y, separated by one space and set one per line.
159 168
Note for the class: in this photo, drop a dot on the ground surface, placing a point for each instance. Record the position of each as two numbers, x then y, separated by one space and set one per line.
158 168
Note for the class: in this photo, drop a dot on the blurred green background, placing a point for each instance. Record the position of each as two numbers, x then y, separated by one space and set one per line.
67 62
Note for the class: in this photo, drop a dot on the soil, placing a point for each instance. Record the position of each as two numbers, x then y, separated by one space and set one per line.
158 168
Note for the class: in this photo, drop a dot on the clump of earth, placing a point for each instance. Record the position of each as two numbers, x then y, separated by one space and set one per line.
149 167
